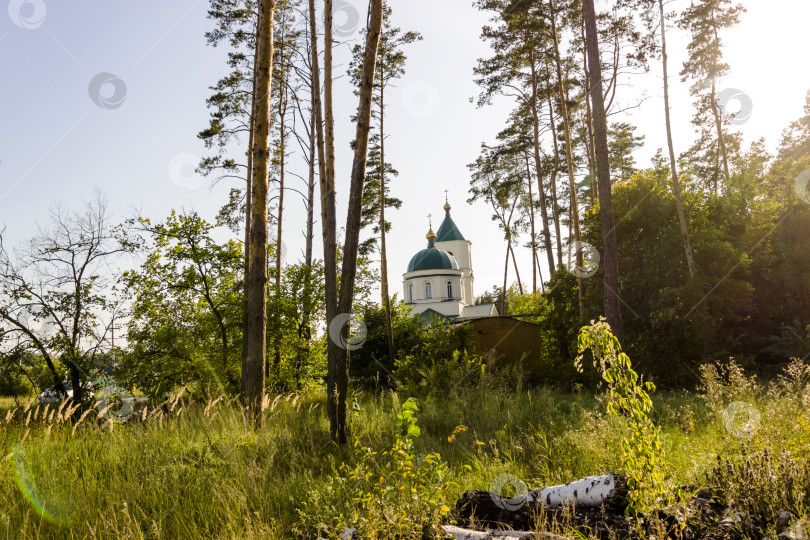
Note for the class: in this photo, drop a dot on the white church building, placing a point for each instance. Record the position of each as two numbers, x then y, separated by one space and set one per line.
439 279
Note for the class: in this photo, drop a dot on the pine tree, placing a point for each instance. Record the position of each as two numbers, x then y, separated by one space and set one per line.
622 141
390 67
252 382
705 20
609 246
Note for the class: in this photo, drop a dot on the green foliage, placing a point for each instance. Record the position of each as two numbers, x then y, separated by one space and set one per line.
622 141
706 20
295 351
495 296
431 358
558 319
186 323
628 397
371 195
13 382
668 314
397 493
442 360
370 365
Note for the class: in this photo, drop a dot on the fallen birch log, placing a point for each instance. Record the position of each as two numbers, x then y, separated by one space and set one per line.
491 534
588 492
495 534
518 512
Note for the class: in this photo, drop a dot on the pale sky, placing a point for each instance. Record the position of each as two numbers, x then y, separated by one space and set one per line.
56 144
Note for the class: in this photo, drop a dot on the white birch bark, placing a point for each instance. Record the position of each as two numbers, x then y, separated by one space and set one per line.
587 492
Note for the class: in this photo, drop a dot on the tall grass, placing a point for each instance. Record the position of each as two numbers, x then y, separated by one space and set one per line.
198 470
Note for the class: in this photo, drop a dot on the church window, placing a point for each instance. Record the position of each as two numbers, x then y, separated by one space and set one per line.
428 290
449 289
410 291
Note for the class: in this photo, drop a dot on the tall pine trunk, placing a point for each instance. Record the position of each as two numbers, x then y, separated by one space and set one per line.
326 154
676 187
310 239
589 122
721 143
252 381
717 121
541 195
555 211
248 189
325 181
514 263
569 153
305 330
386 299
339 365
505 273
282 113
531 225
609 246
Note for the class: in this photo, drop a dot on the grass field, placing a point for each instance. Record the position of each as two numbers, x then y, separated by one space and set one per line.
198 471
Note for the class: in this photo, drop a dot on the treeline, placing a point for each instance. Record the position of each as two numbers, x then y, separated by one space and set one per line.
696 258
235 316
708 260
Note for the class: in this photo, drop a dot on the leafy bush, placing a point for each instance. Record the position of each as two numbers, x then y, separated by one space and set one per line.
12 382
397 494
628 397
443 360
392 493
370 365
559 322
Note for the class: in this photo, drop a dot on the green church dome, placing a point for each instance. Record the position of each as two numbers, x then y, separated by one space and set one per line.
448 230
432 258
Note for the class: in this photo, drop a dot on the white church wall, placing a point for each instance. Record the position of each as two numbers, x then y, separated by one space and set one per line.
438 282
462 252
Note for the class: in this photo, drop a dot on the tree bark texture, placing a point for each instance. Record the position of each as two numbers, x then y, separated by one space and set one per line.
339 364
252 381
609 246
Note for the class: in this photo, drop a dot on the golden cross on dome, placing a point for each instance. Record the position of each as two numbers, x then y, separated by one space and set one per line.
430 221
445 196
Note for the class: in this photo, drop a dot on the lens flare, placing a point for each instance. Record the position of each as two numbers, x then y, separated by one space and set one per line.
47 507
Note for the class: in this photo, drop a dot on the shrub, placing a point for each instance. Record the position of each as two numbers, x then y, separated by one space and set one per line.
724 383
392 493
443 360
628 397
